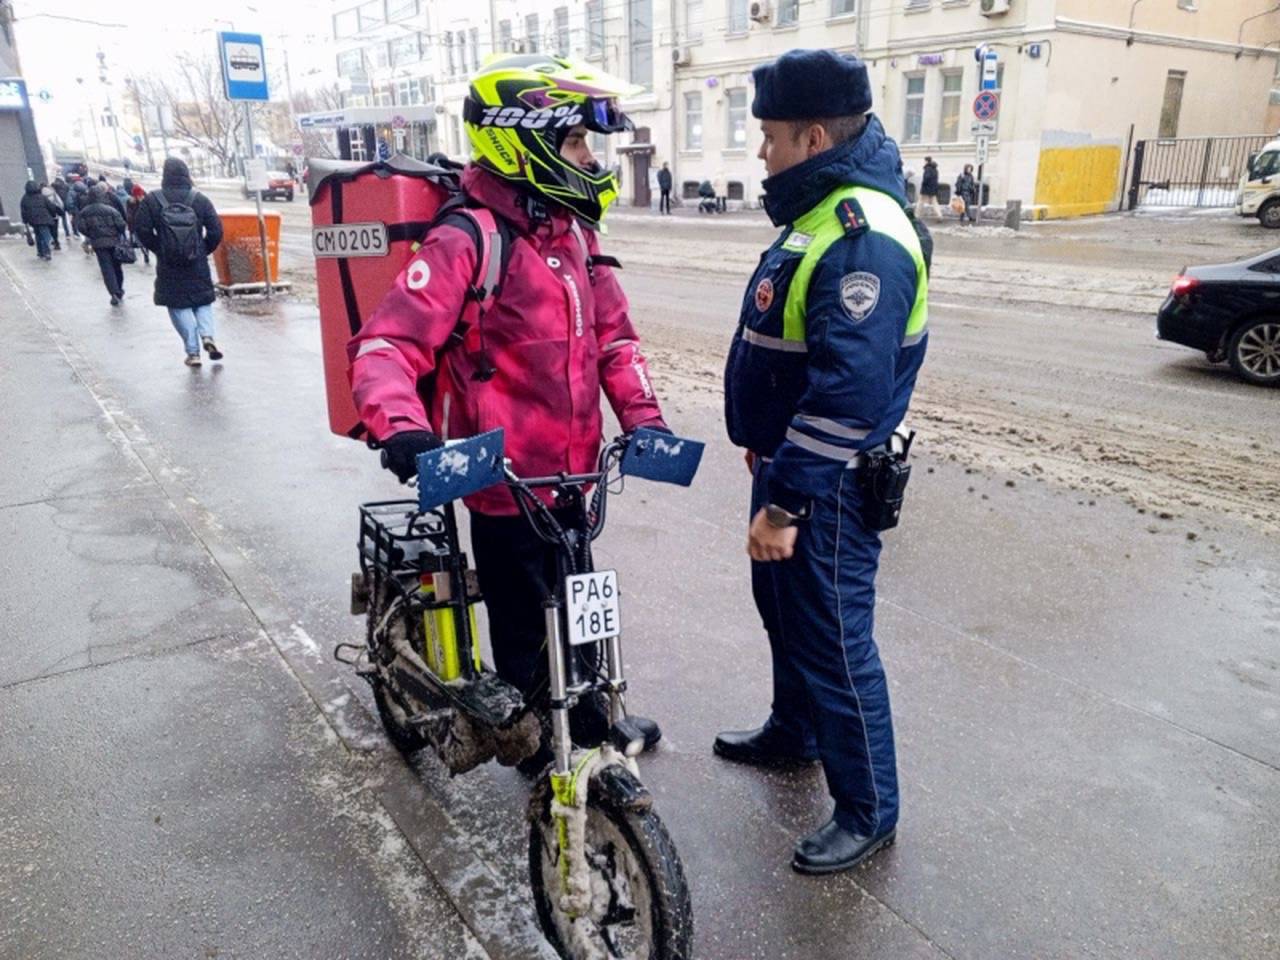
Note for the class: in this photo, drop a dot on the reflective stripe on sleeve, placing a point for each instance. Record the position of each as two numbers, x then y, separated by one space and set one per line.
829 450
834 428
369 346
774 343
618 345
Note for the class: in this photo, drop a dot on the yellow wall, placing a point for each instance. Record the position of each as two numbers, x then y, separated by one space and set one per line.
1077 181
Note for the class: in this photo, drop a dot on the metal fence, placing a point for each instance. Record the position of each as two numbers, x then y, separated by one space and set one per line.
1190 172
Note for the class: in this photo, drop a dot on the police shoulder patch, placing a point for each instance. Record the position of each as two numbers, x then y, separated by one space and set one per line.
859 294
849 213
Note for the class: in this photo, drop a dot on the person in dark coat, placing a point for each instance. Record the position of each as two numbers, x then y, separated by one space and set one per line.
40 214
929 189
63 190
708 194
103 229
664 185
185 288
967 190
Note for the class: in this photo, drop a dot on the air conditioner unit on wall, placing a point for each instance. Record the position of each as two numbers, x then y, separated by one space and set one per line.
994 8
759 11
680 56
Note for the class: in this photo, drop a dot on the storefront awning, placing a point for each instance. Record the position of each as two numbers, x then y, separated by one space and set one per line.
367 116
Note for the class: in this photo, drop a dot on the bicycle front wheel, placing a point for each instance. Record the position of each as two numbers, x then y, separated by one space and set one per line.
640 907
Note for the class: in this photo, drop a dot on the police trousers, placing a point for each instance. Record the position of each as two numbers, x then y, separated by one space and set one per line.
829 687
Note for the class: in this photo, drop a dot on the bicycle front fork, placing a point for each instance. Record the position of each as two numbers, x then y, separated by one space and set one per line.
559 670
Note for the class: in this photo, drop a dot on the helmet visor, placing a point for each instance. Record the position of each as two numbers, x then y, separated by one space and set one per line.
603 116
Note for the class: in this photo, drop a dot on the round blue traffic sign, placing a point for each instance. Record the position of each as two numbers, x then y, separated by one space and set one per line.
986 105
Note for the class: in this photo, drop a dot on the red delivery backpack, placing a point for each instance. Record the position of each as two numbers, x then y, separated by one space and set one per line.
367 220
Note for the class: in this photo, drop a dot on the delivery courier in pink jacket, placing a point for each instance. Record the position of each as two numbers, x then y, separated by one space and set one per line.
529 348
556 334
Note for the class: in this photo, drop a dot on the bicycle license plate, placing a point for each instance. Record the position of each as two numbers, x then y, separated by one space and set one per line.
592 599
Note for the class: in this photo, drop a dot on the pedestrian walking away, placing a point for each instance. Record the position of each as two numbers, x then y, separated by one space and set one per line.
40 214
181 227
556 280
134 195
967 191
104 229
819 376
60 215
929 190
664 187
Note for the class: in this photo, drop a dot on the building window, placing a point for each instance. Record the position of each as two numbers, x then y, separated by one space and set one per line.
912 129
1172 105
384 97
355 143
737 16
408 93
504 36
844 8
448 53
1190 5
562 31
475 48
693 121
404 50
401 9
595 28
351 65
531 33
372 15
346 24
640 41
949 121
788 12
428 90
693 19
379 56
737 100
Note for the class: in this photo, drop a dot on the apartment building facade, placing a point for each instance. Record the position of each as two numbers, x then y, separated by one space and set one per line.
1079 81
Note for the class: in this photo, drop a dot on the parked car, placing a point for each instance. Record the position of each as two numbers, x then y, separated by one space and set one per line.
1231 311
279 184
1259 194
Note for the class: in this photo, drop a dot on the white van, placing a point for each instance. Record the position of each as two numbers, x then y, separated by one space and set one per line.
1260 187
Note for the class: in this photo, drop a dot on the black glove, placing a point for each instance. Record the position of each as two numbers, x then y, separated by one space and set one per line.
400 451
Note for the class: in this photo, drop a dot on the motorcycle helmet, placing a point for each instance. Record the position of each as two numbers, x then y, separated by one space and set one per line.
518 111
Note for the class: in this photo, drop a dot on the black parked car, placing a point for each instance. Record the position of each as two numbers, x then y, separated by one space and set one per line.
1231 311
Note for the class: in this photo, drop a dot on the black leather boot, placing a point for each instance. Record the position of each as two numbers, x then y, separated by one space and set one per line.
832 849
763 747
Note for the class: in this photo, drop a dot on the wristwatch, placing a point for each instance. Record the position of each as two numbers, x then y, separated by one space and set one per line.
779 518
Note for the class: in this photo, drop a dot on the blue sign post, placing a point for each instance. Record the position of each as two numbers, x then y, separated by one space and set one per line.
244 78
244 66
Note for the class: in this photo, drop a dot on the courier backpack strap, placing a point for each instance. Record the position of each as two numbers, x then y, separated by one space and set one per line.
494 240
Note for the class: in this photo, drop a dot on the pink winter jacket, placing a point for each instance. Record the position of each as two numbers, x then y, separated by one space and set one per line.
556 336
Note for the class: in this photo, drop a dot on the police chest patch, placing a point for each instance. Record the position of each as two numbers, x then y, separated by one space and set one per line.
859 293
764 295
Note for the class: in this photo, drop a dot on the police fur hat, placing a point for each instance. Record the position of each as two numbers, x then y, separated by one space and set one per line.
803 84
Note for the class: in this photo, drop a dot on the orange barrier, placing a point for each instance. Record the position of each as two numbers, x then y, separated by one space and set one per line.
238 258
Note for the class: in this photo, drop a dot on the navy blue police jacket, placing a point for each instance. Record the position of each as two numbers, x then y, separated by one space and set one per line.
811 410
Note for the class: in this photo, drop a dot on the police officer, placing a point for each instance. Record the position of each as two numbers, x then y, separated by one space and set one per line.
819 375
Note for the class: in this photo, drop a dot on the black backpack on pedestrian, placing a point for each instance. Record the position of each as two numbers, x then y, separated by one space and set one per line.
179 230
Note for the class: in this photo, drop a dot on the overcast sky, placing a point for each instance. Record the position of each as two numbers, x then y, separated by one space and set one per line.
58 41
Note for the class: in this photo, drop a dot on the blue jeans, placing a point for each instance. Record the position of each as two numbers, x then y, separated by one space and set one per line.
192 324
43 240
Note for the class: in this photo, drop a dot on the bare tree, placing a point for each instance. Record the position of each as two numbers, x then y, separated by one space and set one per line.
201 114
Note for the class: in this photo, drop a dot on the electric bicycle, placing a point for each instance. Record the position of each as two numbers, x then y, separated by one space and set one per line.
606 877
